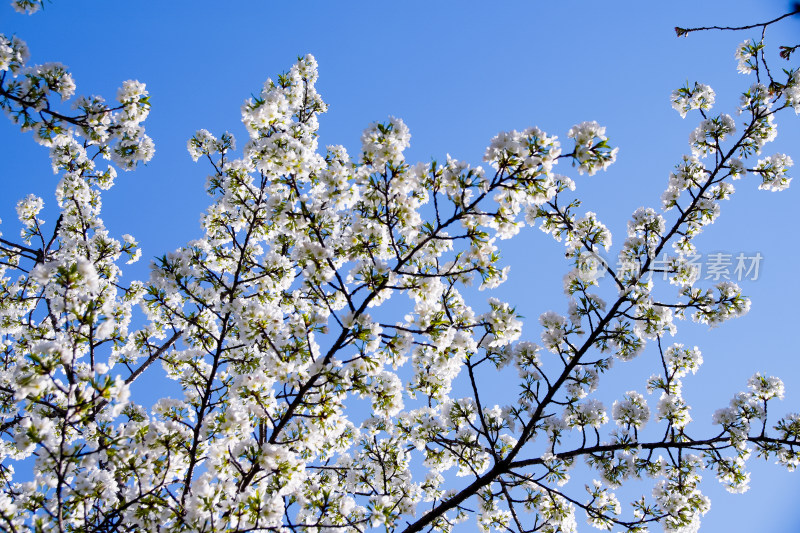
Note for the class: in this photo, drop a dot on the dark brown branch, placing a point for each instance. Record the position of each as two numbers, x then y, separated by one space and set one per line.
682 32
155 355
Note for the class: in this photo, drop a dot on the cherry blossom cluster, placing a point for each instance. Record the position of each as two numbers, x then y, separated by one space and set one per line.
29 96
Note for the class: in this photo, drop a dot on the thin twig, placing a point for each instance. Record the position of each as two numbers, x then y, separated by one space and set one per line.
682 32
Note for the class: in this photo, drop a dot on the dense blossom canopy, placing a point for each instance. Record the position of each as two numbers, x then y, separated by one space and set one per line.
309 403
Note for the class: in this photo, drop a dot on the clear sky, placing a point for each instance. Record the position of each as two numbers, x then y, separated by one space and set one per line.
457 73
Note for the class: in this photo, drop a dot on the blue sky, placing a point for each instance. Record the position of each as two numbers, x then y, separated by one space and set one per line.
457 73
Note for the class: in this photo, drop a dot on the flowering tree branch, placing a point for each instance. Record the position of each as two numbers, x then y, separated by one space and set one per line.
306 402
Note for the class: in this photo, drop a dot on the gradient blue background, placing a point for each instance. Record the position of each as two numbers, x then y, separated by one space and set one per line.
457 73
